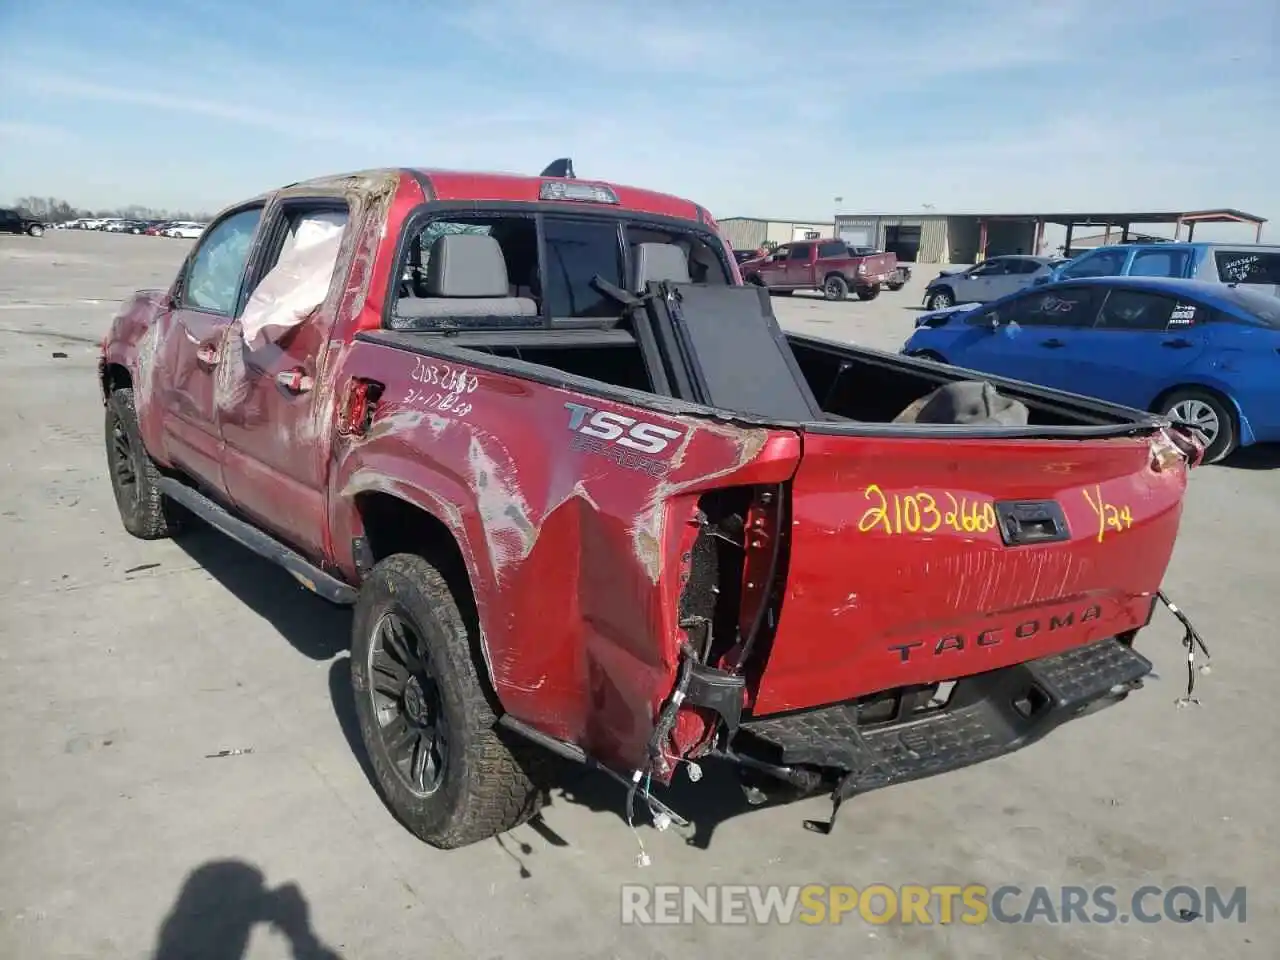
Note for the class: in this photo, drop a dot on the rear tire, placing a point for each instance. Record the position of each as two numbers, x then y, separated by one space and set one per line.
868 293
835 287
414 675
895 285
1206 409
35 230
135 479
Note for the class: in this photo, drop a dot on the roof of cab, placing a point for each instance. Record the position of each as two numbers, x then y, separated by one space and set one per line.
460 185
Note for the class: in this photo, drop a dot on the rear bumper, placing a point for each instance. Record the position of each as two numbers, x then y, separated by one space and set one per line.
987 715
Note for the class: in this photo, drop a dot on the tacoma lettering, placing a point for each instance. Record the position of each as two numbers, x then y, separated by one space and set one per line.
993 636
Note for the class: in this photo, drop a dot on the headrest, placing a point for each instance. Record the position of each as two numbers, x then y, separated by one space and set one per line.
656 262
466 265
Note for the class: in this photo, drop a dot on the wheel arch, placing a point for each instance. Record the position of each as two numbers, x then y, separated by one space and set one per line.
400 522
114 376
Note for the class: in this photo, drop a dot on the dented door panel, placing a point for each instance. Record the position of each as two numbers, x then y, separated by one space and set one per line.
573 513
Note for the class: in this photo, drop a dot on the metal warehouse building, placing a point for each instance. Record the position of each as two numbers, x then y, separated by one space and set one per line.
969 238
751 233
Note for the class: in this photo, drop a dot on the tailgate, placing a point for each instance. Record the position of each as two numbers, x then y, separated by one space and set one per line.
878 266
916 561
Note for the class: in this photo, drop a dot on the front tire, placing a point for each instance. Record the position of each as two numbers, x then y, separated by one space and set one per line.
35 230
135 479
1208 412
835 288
940 300
424 717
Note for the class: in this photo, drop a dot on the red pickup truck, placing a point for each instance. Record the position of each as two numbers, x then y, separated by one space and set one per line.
587 498
825 264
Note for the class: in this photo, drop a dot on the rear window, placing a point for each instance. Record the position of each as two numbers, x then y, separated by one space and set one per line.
1239 266
577 252
1262 306
551 284
833 249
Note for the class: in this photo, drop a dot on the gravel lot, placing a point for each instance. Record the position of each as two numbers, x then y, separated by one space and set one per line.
126 665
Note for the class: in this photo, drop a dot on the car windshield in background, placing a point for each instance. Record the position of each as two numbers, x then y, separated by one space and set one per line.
1263 306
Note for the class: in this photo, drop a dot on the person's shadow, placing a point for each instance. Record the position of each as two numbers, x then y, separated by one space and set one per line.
220 904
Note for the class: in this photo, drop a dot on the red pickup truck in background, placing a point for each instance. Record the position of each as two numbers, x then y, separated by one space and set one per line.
587 497
824 264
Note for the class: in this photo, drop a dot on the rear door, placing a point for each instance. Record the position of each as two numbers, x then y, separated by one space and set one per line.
1140 345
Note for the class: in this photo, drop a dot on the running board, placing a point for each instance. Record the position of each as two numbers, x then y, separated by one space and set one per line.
264 545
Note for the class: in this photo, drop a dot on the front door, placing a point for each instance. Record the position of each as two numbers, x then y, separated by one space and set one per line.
799 259
191 337
774 269
1036 337
273 416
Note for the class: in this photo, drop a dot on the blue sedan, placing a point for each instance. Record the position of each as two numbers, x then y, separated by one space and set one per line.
1201 352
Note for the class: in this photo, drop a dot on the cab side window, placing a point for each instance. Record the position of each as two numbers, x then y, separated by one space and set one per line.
1159 263
1139 310
800 251
213 279
1062 308
1102 263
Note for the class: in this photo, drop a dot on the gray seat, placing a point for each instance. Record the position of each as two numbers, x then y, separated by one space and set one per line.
656 262
466 277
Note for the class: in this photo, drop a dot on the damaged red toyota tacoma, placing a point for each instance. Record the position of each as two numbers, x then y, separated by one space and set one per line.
587 497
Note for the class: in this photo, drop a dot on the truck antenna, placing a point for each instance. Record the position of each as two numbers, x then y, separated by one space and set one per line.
559 168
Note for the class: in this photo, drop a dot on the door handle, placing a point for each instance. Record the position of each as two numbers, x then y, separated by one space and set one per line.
1053 343
295 381
207 355
1178 344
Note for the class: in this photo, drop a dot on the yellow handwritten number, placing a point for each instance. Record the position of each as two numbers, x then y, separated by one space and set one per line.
919 513
877 515
1109 516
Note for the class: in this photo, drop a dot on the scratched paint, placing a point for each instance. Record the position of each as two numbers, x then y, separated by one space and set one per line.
646 530
504 514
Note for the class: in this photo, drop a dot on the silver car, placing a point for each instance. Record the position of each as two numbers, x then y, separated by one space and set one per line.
989 280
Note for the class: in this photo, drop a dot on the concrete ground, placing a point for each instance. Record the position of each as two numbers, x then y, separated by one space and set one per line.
129 668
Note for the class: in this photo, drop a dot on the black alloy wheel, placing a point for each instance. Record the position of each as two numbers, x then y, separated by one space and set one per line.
405 698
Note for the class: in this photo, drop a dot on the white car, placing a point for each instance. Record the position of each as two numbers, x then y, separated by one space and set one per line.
185 231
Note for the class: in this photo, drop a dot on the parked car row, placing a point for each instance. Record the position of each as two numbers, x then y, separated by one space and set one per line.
185 229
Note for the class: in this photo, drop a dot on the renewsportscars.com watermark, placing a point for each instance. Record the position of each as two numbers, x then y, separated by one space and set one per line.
936 904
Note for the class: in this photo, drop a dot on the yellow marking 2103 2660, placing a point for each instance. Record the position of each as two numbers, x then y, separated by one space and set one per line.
1110 516
921 513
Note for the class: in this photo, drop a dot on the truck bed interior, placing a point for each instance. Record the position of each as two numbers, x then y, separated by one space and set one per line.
720 346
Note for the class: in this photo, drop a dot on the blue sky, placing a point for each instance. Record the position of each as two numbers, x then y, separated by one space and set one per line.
752 108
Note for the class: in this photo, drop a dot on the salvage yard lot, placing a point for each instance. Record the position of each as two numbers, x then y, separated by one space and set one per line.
183 707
